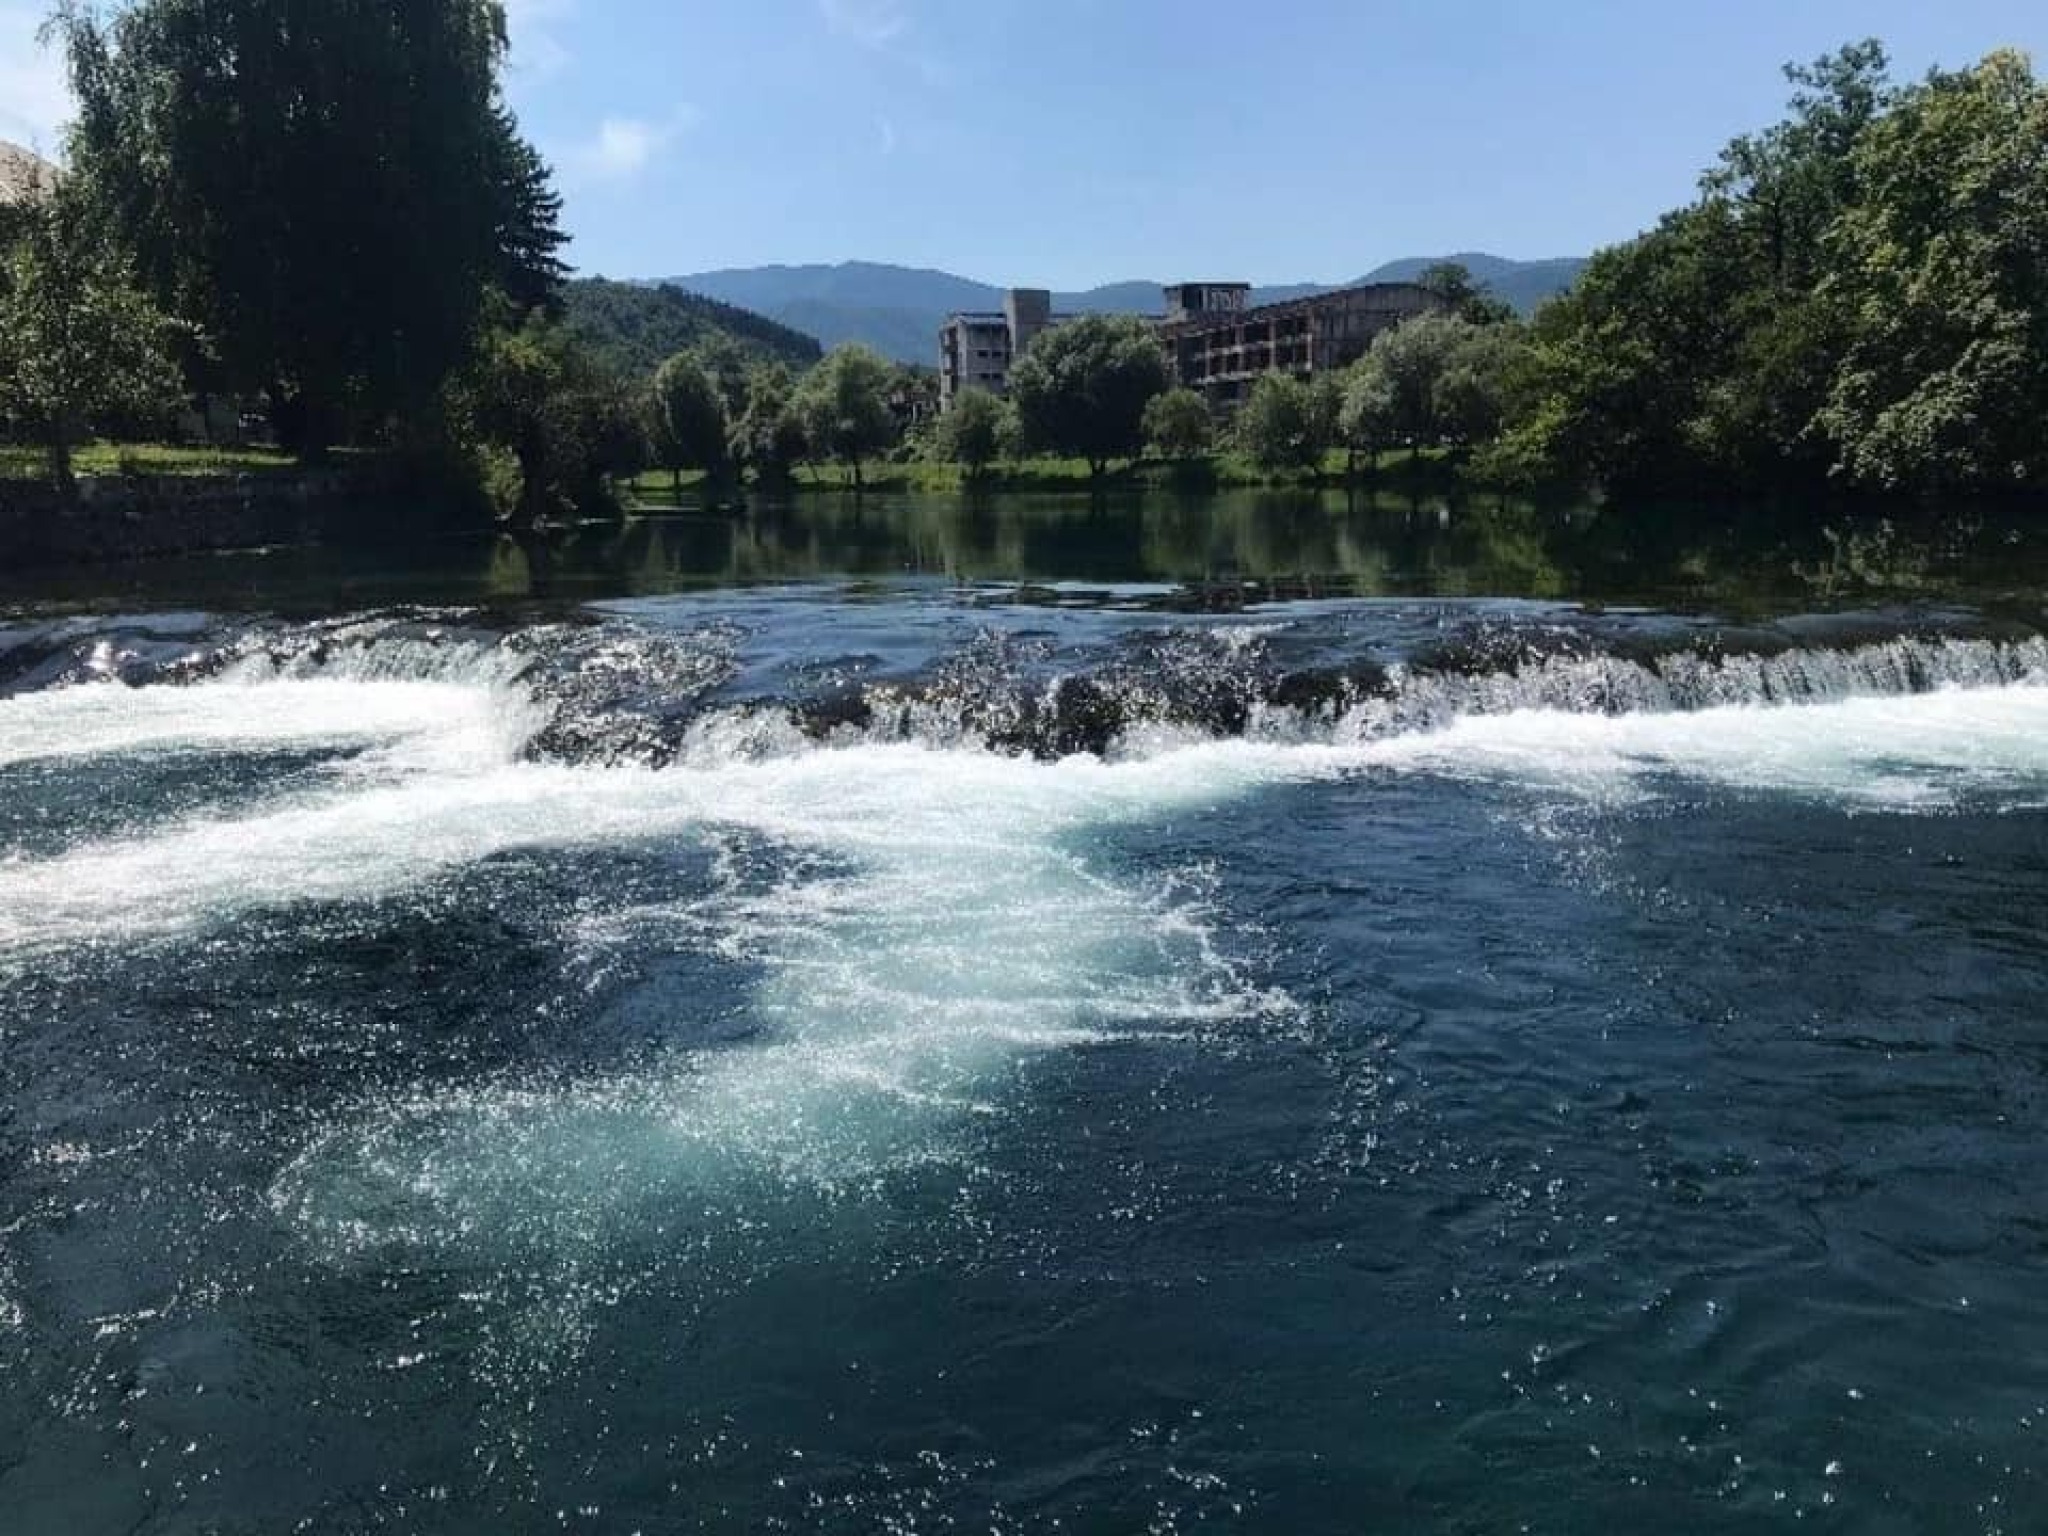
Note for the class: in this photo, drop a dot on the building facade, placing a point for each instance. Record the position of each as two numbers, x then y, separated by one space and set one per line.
1218 344
977 348
1217 341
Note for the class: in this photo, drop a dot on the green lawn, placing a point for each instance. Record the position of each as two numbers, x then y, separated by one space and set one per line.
24 463
655 488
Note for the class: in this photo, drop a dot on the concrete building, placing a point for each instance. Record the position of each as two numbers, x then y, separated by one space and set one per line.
1217 343
977 348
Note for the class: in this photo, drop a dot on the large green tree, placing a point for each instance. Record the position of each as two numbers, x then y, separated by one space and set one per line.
1943 260
1179 426
686 418
570 427
78 338
1082 388
1280 425
327 190
844 405
971 431
768 438
1858 297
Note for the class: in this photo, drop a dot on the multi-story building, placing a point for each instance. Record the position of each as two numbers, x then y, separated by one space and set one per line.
1217 343
977 348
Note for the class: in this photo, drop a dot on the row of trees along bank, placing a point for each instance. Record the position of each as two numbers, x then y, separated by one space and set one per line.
1857 297
1856 302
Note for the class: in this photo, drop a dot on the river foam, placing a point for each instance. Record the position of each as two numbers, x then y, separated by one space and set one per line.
938 912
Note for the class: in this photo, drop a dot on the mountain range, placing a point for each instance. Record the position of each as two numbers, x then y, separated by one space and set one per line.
898 310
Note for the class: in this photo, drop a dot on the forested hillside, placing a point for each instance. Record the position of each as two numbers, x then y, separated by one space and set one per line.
633 327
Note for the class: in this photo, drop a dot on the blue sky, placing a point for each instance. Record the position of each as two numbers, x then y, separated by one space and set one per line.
1072 142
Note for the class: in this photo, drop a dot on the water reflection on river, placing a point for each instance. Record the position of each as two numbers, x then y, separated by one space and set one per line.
1217 547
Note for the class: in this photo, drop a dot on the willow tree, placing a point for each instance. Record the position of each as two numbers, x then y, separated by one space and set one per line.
325 190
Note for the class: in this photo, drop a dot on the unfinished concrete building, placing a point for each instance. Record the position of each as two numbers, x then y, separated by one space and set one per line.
976 348
1217 343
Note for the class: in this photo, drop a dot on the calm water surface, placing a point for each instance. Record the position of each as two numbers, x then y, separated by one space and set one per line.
1027 1033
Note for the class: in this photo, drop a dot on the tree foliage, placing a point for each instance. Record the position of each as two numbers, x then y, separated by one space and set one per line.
326 190
1179 426
970 434
78 338
634 328
686 418
844 406
1859 295
1082 388
1280 426
569 426
768 438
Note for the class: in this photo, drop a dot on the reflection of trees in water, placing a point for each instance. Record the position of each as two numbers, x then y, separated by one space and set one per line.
1297 542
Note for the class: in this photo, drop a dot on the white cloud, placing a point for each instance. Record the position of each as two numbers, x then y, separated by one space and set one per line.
35 98
871 23
885 132
623 147
538 52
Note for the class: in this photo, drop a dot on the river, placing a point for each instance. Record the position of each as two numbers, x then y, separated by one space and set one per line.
1023 1019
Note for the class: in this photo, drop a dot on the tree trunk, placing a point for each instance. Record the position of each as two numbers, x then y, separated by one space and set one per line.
858 486
675 472
60 466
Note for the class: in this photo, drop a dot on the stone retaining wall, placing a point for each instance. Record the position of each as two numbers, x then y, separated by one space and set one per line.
129 516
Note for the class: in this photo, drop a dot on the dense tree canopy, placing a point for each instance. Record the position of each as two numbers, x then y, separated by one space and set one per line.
78 339
326 191
1280 425
1859 295
768 437
1082 388
844 406
971 432
686 418
635 327
1178 425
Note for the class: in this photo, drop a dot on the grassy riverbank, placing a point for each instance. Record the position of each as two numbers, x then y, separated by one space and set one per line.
18 462
1431 469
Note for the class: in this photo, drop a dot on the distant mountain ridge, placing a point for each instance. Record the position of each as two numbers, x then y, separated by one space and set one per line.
898 310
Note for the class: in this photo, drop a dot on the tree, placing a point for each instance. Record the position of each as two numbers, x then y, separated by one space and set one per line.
569 426
78 338
326 190
1944 260
1082 388
1463 295
1365 416
1178 425
1706 348
970 433
1278 426
1413 358
844 406
1476 388
726 364
768 438
527 267
686 419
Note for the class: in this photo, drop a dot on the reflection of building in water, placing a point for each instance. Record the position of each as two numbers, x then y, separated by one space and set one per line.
1217 341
